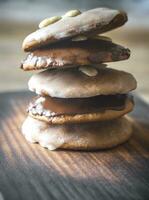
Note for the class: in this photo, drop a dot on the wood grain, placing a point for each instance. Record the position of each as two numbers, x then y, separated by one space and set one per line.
28 171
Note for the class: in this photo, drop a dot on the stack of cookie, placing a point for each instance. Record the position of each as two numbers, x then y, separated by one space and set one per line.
81 102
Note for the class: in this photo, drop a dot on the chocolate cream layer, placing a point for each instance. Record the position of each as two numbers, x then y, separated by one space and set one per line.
51 107
69 53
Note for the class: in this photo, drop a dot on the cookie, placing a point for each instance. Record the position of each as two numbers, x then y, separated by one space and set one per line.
86 136
91 22
75 83
99 108
71 54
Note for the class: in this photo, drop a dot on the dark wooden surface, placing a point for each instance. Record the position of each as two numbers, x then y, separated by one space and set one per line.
28 171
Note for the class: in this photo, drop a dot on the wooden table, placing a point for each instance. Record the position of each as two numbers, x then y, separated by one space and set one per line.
28 171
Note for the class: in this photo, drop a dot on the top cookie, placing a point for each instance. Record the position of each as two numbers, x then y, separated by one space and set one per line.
91 22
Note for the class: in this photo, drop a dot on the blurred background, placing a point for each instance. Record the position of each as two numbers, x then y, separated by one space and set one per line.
18 18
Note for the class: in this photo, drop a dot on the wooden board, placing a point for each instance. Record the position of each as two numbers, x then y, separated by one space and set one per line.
28 171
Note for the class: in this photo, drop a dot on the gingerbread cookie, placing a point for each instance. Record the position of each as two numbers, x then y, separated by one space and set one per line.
86 136
82 82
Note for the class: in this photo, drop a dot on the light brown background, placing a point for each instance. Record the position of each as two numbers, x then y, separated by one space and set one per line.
19 19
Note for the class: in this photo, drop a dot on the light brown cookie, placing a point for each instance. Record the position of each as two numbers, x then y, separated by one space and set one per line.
95 21
73 83
71 54
86 136
60 111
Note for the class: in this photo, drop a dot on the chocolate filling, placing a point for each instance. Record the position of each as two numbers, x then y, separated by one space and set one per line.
69 53
50 107
95 46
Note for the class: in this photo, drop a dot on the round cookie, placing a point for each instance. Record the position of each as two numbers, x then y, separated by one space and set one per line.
73 83
87 136
99 108
91 22
71 54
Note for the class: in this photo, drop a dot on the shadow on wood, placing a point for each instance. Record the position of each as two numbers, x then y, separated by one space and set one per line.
28 171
